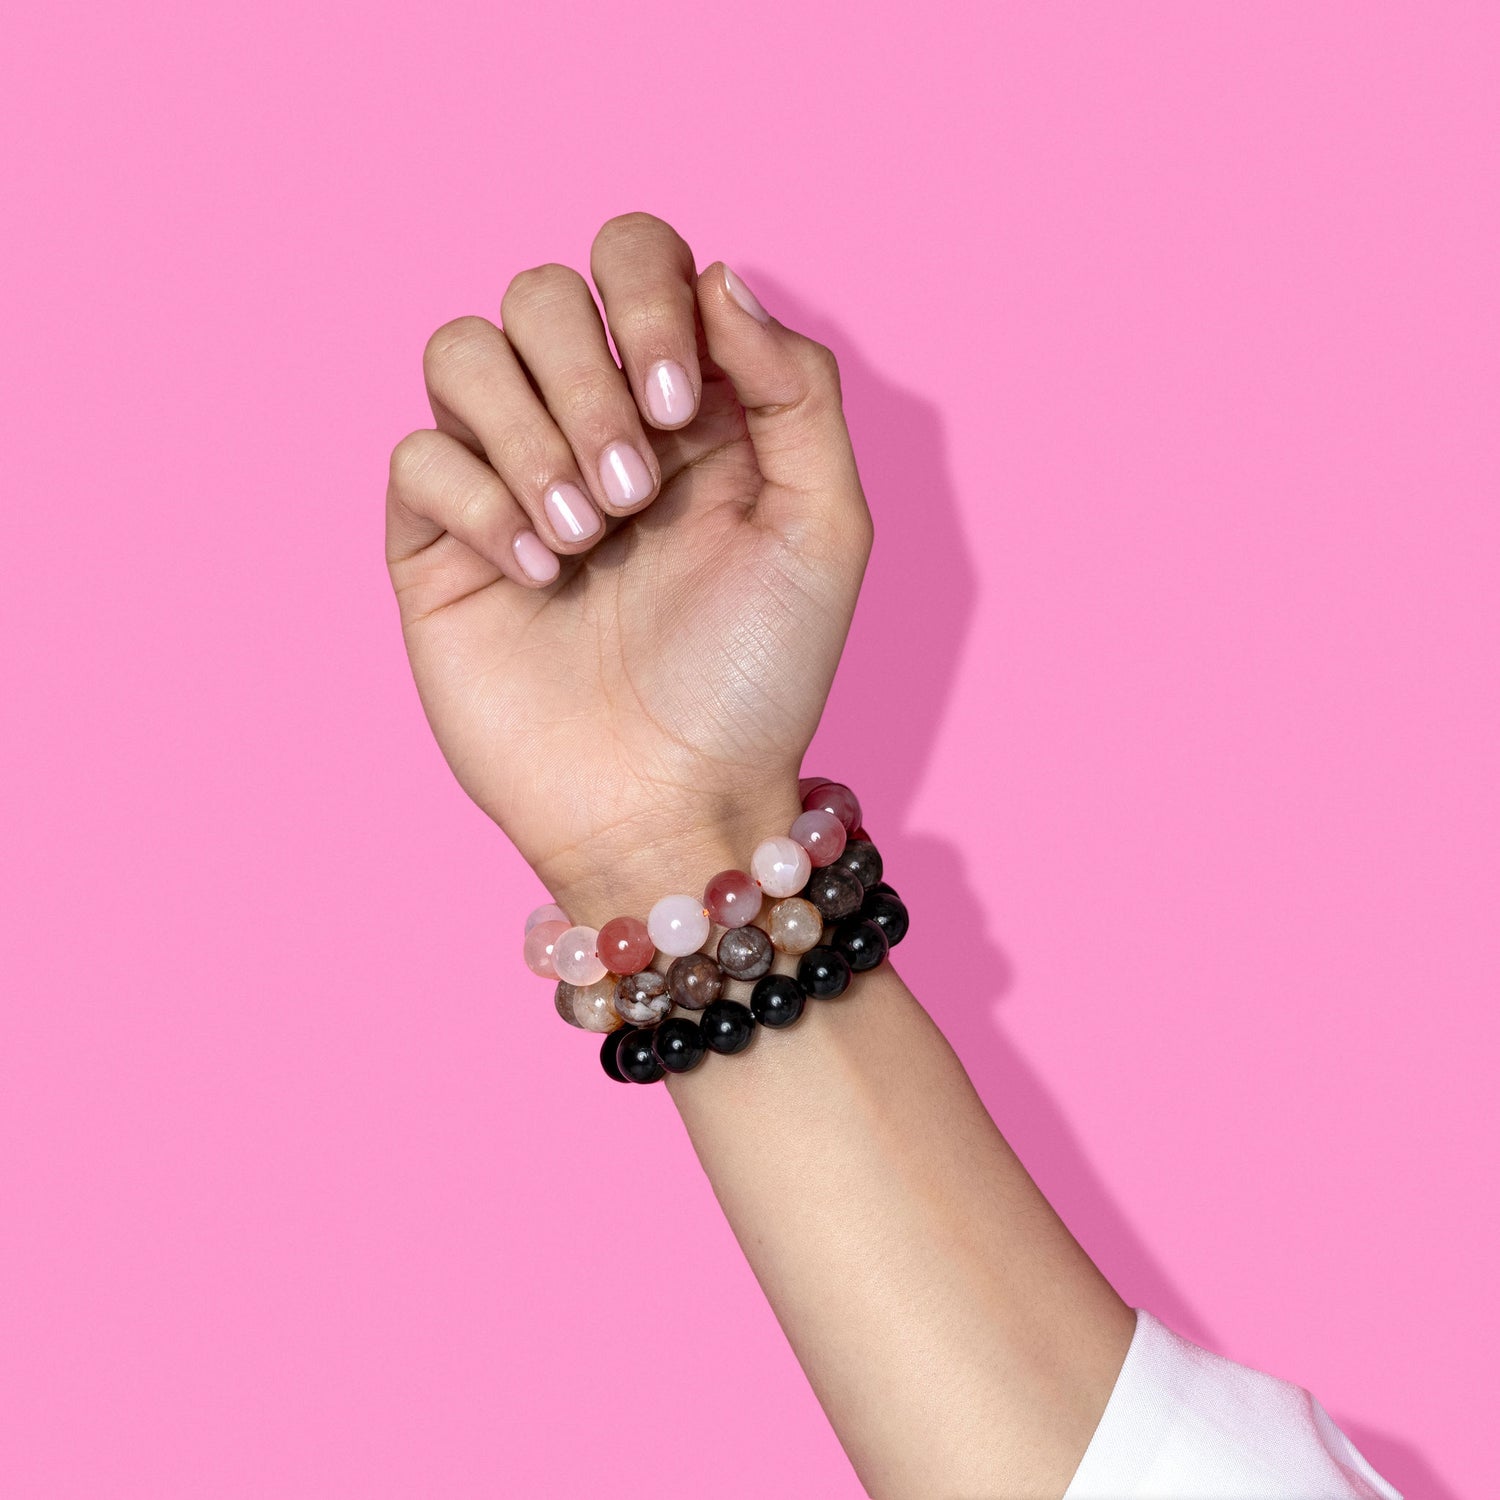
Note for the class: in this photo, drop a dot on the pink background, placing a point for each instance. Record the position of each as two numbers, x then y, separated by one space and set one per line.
1170 339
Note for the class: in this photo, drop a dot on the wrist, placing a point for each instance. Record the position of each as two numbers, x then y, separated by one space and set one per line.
625 870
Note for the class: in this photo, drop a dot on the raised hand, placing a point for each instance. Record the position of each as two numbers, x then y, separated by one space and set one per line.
624 591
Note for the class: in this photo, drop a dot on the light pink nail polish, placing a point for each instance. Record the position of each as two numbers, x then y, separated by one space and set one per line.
572 517
745 297
536 561
623 474
669 393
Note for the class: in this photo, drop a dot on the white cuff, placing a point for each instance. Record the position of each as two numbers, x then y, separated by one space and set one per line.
1184 1424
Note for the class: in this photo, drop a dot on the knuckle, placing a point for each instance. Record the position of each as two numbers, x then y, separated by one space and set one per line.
635 225
539 287
456 342
823 367
412 457
644 325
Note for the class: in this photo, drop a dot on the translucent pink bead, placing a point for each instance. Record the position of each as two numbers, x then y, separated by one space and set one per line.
678 925
594 1005
575 956
625 946
822 835
780 866
834 797
537 948
806 783
732 898
551 912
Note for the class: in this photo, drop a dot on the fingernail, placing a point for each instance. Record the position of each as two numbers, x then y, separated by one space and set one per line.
745 297
536 561
623 474
572 517
669 394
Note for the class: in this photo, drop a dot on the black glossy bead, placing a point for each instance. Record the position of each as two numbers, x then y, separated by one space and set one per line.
884 887
636 1058
862 942
862 860
835 892
889 911
777 1000
727 1026
745 953
679 1044
824 973
608 1055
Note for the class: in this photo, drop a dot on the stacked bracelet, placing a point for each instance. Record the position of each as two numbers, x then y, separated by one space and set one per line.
832 916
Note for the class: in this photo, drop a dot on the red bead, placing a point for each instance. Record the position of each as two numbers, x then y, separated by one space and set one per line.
834 797
732 898
822 835
625 946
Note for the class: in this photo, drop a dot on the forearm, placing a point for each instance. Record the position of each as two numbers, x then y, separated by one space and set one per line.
959 1340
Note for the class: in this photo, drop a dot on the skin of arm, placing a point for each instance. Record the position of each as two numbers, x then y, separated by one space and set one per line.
624 588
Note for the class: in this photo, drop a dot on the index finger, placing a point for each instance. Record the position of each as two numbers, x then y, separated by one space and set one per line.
645 274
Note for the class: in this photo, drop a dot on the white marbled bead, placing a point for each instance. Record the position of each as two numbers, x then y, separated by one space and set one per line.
780 866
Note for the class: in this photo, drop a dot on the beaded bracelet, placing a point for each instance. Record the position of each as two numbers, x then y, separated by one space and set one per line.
833 914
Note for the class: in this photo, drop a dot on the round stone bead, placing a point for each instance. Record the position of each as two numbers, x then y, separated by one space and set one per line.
834 797
823 973
884 887
862 860
822 835
780 866
777 1000
694 980
594 1005
887 909
679 1044
805 784
796 925
678 925
609 1058
727 1026
551 912
746 952
835 892
575 956
562 998
732 898
642 999
625 946
862 942
636 1058
538 945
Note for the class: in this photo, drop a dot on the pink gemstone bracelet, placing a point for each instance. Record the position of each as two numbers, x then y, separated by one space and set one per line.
830 916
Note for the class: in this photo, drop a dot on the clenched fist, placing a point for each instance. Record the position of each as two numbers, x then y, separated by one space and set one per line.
624 587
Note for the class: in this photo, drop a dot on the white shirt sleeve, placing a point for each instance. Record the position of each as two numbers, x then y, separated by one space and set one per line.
1185 1424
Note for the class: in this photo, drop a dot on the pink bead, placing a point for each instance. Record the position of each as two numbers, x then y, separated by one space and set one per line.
836 798
678 925
625 946
807 783
551 912
575 956
822 835
537 949
780 866
732 898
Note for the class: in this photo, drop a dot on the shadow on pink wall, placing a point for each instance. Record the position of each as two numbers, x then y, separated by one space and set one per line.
880 731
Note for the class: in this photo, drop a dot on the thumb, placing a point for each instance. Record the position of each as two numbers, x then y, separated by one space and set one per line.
789 387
